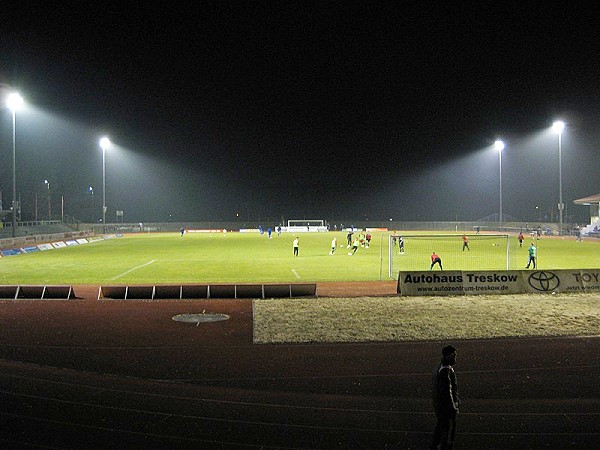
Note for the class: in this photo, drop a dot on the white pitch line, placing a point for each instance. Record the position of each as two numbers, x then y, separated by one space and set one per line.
296 273
135 268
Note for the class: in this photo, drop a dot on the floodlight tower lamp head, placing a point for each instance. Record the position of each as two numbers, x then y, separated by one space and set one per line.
558 126
499 145
104 143
14 101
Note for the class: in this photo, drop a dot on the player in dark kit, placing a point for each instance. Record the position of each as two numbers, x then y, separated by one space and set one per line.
349 238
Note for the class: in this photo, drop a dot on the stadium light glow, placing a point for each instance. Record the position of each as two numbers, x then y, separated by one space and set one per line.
499 145
104 144
14 102
558 127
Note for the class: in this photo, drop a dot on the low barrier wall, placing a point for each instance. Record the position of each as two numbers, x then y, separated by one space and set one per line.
36 292
207 291
498 282
164 292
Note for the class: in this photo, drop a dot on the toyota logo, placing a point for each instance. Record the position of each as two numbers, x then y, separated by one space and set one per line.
544 281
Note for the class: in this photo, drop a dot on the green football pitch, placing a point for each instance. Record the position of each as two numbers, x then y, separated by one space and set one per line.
158 258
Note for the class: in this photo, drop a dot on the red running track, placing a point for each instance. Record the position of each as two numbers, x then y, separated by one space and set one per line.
83 373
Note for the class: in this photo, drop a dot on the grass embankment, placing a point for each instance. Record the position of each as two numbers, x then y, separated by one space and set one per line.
425 318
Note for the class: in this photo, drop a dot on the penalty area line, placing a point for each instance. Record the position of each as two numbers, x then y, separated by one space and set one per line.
296 273
131 270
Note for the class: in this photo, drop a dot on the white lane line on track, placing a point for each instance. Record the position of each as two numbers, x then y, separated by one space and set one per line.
296 273
135 268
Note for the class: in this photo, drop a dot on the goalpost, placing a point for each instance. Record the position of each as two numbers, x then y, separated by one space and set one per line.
411 252
304 225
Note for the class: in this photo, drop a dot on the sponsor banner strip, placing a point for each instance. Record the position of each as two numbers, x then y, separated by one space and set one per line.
30 249
498 282
53 245
202 230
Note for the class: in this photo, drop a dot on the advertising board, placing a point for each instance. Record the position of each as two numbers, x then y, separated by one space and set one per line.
427 283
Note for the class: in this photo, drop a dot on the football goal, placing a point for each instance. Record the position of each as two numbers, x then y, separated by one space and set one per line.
481 252
304 226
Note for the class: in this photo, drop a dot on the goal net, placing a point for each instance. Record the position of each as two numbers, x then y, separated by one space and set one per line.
481 252
303 225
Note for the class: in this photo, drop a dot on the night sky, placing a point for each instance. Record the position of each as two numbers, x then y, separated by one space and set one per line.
320 110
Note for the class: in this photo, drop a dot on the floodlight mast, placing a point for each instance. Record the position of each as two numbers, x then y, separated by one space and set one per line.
499 145
47 183
14 102
558 127
104 144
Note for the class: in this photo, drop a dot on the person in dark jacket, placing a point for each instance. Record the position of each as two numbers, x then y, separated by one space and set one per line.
445 400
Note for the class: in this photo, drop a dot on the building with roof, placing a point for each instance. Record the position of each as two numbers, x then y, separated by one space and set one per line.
593 202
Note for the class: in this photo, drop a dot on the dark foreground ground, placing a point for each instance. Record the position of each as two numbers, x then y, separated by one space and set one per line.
84 373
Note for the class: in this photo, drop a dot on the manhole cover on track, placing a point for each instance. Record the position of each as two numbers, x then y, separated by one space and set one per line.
200 317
